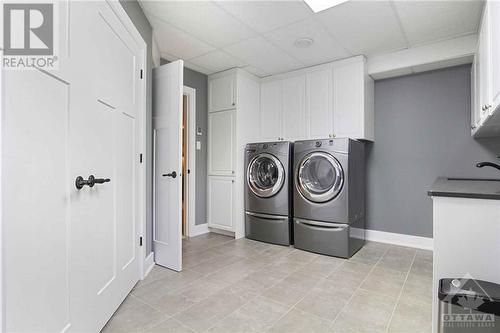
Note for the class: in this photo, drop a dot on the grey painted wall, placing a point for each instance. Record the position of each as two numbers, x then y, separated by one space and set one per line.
199 82
422 131
137 16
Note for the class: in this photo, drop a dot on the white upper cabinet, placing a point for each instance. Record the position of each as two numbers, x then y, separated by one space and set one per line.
352 99
319 115
494 17
270 110
485 112
484 63
293 108
221 143
326 101
221 93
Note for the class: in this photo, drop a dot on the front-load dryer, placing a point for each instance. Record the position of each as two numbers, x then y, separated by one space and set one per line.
268 192
329 196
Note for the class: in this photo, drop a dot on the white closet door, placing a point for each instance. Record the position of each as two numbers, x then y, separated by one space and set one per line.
319 111
102 135
72 254
293 117
270 110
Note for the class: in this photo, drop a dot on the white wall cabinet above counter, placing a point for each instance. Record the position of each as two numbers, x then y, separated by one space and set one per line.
485 75
331 100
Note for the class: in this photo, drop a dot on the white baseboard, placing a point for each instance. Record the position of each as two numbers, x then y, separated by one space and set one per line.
149 263
198 229
221 231
418 242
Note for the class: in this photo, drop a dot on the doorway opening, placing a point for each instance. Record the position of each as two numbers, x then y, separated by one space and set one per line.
188 186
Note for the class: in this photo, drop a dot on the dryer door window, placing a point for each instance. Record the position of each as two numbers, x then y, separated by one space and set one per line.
319 177
265 175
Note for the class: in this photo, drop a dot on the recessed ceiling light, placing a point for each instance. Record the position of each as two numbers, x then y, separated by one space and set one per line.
319 5
303 42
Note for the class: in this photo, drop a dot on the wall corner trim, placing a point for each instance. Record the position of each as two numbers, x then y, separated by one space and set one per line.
149 263
418 242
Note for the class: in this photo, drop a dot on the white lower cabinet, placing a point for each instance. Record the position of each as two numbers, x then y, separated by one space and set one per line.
221 202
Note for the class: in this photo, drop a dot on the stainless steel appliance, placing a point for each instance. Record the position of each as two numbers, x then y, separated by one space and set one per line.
267 194
329 196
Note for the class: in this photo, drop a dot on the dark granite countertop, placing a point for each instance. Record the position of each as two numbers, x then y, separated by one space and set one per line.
466 188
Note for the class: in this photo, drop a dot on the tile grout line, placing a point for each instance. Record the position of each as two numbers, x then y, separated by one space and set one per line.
261 295
400 293
305 295
358 288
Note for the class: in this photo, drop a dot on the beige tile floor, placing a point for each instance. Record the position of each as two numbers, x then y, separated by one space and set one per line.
241 285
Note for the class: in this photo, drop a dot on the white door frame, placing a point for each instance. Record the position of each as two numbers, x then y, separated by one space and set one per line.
191 160
141 133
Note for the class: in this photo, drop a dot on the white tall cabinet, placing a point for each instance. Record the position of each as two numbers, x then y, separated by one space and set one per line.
233 121
331 100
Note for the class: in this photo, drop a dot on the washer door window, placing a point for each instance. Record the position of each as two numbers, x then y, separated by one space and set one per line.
265 175
319 177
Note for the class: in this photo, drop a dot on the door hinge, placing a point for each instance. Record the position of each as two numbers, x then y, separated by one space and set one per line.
140 241
141 73
140 158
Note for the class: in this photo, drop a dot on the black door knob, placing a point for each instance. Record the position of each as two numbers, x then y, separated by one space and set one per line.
80 182
173 174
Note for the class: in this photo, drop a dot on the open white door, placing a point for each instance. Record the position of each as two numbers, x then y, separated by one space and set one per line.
167 123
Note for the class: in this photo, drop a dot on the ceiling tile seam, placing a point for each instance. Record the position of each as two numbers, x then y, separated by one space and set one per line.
215 48
464 34
332 36
259 34
400 23
148 14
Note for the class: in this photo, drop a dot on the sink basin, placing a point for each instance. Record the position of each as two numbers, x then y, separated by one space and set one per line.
476 179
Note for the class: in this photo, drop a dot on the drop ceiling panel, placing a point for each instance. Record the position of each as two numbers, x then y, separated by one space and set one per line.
259 53
176 42
364 27
196 68
217 61
323 49
428 21
264 16
202 19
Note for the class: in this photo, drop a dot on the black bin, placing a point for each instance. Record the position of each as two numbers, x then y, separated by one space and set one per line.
468 305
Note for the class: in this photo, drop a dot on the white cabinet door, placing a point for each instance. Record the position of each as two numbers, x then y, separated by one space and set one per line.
270 110
319 112
293 108
494 17
475 106
484 63
220 202
348 99
221 94
221 143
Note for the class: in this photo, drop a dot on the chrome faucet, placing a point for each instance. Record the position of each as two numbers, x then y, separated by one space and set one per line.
490 164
